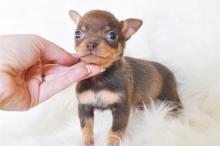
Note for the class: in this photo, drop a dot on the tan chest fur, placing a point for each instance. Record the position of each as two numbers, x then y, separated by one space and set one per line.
103 97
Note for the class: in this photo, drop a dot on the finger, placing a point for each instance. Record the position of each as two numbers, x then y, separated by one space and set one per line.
56 68
58 83
52 53
53 70
75 55
94 70
57 71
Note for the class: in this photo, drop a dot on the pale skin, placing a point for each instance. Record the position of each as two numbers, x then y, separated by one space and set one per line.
33 69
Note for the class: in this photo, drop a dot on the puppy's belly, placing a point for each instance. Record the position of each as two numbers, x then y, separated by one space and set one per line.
101 98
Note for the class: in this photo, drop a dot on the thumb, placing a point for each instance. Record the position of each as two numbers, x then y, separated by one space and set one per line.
52 53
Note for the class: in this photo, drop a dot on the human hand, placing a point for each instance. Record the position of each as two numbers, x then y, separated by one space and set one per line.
33 69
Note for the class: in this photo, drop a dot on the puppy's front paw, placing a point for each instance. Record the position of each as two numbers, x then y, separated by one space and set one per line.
114 141
117 143
88 141
88 145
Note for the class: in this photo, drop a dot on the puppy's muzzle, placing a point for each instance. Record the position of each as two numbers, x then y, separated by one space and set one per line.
92 45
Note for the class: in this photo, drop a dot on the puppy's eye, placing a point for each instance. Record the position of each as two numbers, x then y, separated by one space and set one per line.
78 34
112 35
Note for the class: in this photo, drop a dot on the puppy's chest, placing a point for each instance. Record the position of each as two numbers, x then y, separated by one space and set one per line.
101 93
99 99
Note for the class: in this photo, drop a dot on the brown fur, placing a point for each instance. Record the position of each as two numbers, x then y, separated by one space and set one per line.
126 83
115 137
87 132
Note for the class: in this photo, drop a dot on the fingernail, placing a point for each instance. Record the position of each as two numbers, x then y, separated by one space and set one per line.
75 55
89 68
103 69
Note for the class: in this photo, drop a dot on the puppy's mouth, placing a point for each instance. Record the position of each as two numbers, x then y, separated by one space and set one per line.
92 55
93 58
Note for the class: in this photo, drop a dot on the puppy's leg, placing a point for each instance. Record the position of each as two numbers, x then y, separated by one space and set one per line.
169 94
120 114
86 116
140 105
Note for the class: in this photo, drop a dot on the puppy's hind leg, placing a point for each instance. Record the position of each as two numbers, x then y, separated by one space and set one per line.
171 97
140 105
169 93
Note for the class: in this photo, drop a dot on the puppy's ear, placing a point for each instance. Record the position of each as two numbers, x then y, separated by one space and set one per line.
130 26
75 16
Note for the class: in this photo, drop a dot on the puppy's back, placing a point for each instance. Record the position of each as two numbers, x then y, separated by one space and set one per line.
151 81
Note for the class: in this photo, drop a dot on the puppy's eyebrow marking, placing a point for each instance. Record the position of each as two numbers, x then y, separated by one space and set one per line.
82 27
107 28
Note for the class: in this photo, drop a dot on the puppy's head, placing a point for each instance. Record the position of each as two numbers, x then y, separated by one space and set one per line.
100 38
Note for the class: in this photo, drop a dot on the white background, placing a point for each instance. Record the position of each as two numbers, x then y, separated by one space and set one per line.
182 34
186 26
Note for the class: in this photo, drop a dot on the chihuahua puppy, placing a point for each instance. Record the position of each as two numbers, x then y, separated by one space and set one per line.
126 82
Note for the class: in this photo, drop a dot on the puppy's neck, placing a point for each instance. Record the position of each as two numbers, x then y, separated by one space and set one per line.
112 68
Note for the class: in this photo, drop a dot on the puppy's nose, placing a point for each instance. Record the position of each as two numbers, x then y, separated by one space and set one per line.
92 46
